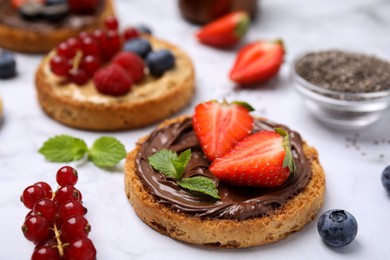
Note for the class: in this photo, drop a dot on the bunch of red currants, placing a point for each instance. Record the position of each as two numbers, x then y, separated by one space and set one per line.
56 223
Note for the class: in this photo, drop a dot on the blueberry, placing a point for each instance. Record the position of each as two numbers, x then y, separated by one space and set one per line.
160 61
139 46
7 65
55 2
337 227
30 10
144 29
386 179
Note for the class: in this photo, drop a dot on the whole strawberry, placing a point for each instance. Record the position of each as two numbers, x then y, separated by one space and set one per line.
219 126
262 159
112 80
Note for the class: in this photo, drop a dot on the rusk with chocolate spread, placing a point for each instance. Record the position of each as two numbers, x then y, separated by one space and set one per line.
244 216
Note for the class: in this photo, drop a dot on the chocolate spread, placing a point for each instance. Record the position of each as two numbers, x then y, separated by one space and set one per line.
236 202
10 16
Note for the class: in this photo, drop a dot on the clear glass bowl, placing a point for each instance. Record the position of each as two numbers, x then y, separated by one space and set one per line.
340 109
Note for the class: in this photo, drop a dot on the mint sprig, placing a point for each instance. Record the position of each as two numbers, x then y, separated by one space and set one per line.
172 165
105 152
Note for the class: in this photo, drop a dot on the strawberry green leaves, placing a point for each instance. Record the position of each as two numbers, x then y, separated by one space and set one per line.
288 158
172 165
105 152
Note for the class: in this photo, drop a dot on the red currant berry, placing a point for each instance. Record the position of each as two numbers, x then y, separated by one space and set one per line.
66 176
111 23
63 50
114 40
74 44
30 214
100 37
130 33
60 66
74 228
65 194
31 195
69 209
89 46
83 35
82 249
46 253
113 43
35 228
45 208
98 34
90 64
49 241
46 188
78 76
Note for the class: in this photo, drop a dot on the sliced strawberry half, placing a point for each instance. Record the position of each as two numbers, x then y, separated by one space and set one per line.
257 62
225 31
261 159
219 126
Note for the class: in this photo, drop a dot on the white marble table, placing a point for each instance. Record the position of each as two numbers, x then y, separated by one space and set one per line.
353 160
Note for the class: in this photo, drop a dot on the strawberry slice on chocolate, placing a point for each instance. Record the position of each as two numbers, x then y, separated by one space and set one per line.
226 31
262 159
257 62
219 126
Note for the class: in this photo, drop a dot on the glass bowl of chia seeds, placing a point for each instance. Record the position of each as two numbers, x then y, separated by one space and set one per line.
343 88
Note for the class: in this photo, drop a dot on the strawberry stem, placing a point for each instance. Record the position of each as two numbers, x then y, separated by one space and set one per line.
288 160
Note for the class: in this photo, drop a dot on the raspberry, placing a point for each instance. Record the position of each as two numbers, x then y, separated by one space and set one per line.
112 80
132 63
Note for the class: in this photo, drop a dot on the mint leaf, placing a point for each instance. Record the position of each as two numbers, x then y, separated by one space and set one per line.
63 148
162 161
181 163
106 152
168 163
200 184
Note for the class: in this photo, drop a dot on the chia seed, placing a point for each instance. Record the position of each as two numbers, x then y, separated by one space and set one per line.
342 71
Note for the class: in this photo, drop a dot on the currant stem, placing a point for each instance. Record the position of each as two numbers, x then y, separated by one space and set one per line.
77 60
60 246
57 233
